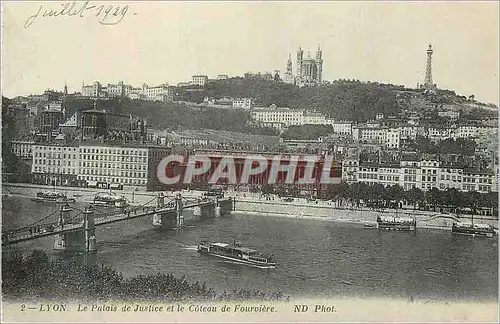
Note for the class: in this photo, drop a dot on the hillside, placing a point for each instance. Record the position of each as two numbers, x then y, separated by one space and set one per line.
172 116
346 100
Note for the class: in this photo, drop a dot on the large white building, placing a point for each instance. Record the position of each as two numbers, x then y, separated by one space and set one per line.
23 149
278 115
199 80
55 164
245 103
145 92
389 137
123 164
422 174
92 90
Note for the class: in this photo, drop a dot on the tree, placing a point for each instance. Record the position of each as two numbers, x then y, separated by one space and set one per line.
452 197
414 196
394 193
433 197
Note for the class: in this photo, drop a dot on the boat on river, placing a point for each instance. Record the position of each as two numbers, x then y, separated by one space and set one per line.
395 223
472 229
52 197
237 254
109 200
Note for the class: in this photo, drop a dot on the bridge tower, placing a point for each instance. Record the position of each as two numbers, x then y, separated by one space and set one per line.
89 228
64 213
217 207
79 240
167 218
160 200
178 208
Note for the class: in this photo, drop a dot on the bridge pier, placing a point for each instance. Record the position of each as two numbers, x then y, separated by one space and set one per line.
204 211
80 240
224 207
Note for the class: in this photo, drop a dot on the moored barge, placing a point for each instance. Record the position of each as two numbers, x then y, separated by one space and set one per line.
472 229
237 254
52 197
392 223
110 200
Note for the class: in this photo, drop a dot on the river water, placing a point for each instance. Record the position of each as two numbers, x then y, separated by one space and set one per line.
314 258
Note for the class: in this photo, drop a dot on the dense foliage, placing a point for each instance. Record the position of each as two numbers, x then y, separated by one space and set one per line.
173 116
37 277
463 146
306 132
343 100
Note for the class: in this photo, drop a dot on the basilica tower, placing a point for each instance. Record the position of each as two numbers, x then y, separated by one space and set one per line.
288 77
319 65
300 57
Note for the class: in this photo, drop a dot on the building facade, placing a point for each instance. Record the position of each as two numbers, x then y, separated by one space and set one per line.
199 80
245 103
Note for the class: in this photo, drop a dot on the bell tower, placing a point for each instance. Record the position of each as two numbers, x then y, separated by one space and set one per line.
300 57
319 65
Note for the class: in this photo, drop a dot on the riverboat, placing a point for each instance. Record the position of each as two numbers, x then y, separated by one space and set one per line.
52 196
109 200
472 229
237 254
392 223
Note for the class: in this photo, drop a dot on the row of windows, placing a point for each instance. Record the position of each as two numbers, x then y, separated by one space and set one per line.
113 151
54 148
55 170
114 158
389 178
113 166
411 178
389 170
114 173
51 162
454 178
114 180
368 176
54 156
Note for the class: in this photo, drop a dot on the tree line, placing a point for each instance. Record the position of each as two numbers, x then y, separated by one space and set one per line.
462 146
35 277
306 132
377 195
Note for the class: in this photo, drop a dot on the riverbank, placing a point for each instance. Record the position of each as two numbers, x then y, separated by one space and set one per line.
255 204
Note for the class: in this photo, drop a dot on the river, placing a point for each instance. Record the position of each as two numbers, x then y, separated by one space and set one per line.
314 258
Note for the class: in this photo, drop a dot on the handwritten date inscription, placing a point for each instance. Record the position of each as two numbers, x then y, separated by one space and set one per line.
106 14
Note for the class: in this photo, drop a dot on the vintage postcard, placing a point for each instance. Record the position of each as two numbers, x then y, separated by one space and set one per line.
284 161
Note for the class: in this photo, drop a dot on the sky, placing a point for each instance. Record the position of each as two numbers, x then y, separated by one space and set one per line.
168 42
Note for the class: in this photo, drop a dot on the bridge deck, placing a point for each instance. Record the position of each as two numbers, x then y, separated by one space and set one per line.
53 228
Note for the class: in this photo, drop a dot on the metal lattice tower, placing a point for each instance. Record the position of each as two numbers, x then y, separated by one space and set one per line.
428 71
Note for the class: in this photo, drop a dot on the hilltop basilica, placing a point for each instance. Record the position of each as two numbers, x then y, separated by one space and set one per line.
308 71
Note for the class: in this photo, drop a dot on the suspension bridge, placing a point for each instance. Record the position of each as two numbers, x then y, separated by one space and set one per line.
74 228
